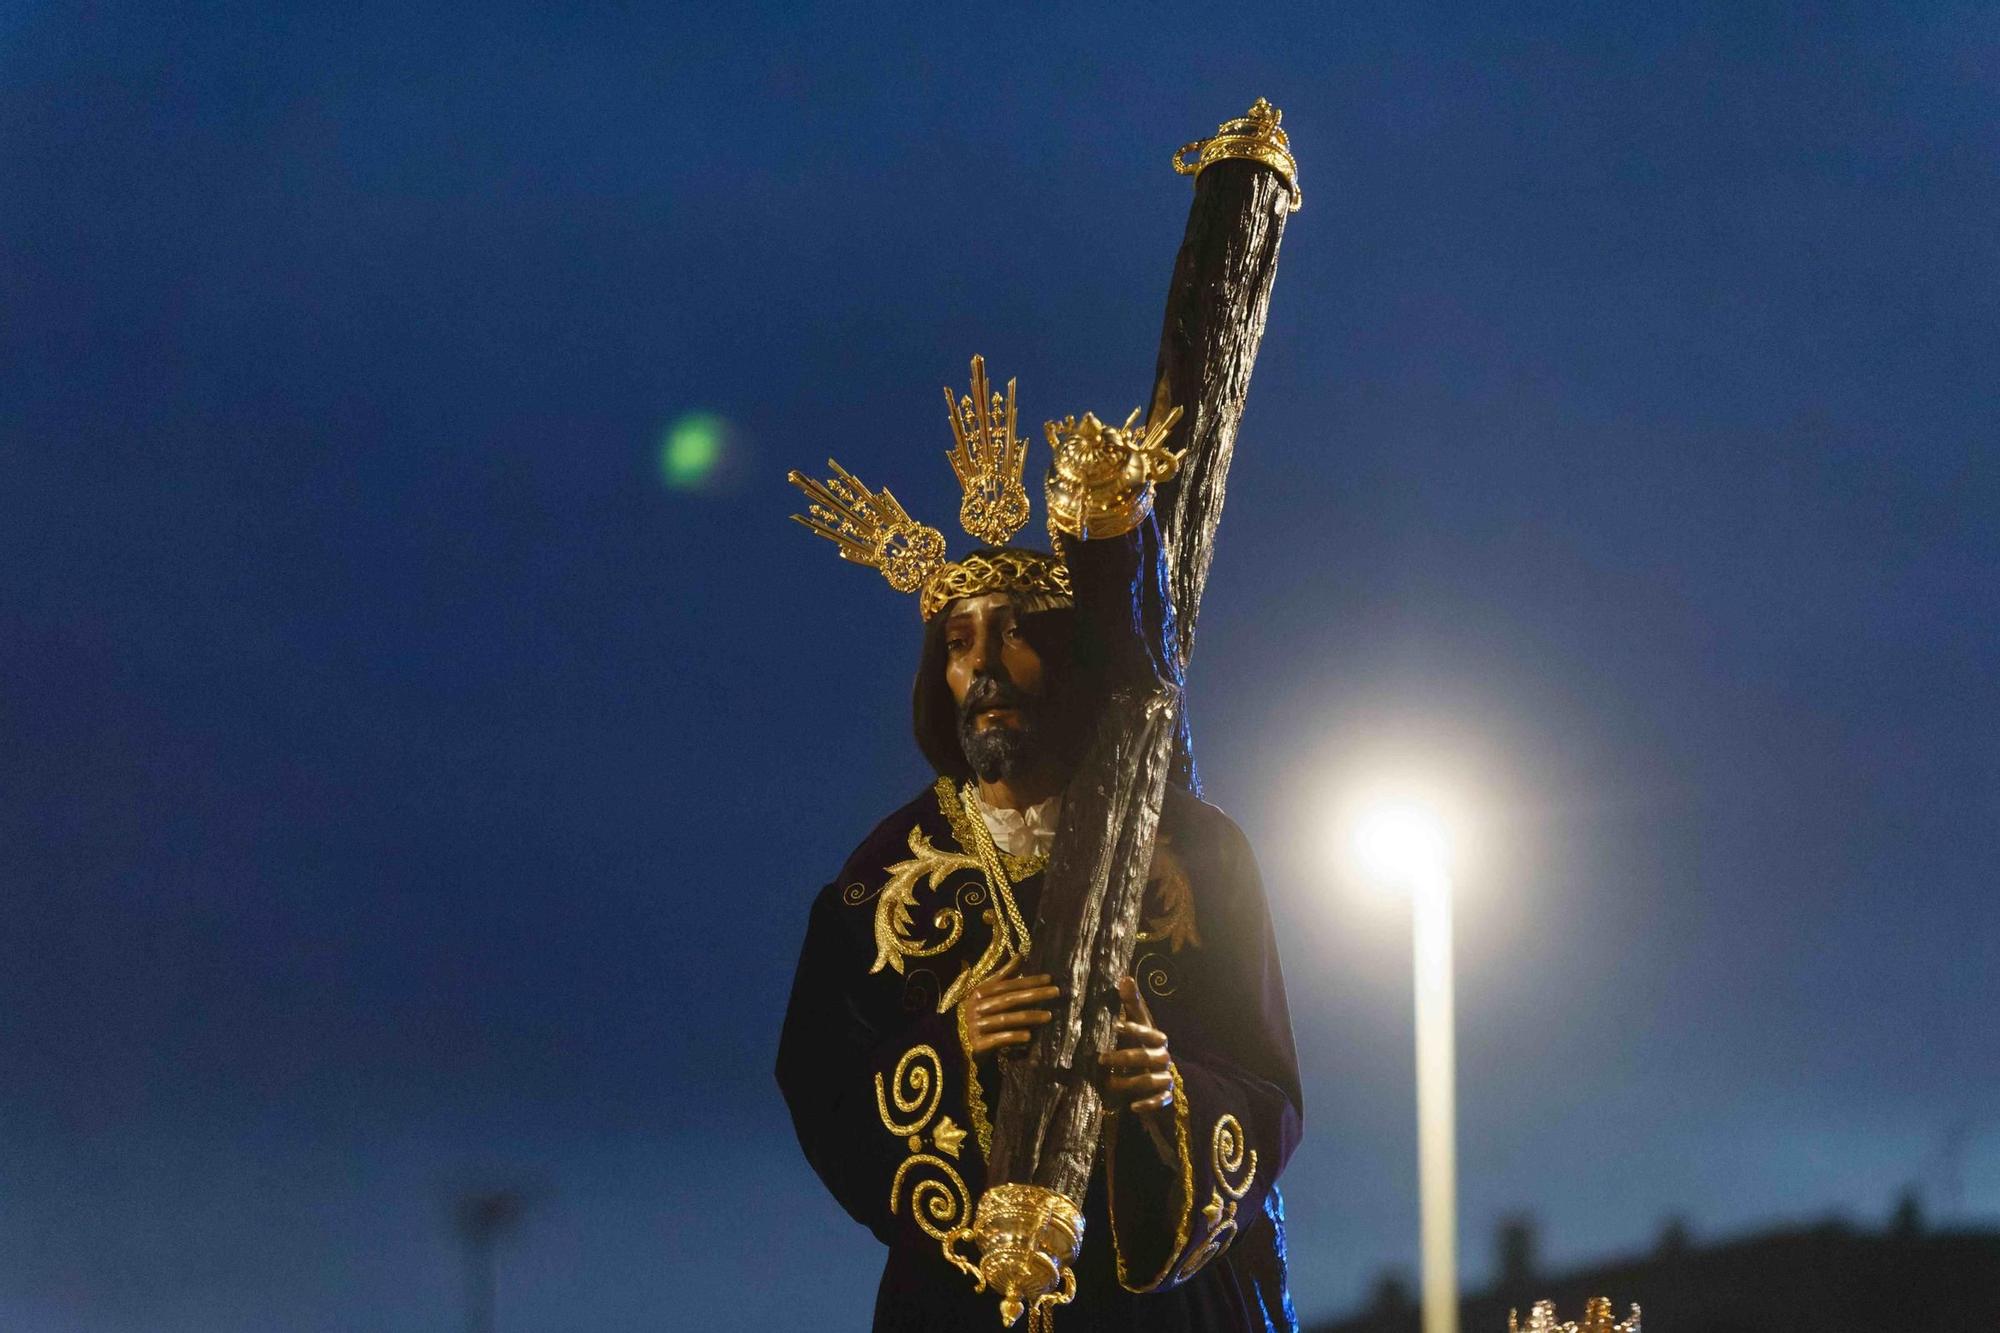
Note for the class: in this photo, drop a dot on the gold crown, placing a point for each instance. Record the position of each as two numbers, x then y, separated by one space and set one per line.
1596 1319
1011 570
1101 485
1254 137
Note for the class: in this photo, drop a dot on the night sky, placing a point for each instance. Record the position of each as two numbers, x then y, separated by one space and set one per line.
410 784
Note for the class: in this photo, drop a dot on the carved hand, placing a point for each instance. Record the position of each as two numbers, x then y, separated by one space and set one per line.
1139 1070
1000 1011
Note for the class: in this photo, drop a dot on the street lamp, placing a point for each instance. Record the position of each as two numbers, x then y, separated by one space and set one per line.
1405 844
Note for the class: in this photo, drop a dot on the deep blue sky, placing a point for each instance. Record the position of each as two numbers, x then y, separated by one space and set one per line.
403 787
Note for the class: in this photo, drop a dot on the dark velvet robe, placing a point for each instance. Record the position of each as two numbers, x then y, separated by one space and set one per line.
891 1111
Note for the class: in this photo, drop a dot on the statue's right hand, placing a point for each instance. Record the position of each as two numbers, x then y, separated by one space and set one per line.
1001 1010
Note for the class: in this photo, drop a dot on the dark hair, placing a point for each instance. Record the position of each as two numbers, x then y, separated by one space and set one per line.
932 709
934 713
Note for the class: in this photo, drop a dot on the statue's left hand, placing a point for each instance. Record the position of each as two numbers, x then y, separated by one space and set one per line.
1139 1072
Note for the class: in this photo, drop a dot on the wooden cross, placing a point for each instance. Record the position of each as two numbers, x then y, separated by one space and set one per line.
1046 1127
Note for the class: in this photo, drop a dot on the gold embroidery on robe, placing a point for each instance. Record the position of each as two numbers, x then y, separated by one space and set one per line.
1010 932
939 1200
975 1096
1169 906
1226 1157
895 939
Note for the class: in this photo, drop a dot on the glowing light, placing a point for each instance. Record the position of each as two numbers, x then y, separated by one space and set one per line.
1402 841
1405 843
691 449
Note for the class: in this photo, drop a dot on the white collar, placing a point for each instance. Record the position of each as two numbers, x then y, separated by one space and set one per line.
1029 832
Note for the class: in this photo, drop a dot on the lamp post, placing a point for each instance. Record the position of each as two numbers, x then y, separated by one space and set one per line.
1406 845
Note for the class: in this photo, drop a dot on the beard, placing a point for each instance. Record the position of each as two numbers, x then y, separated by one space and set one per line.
999 752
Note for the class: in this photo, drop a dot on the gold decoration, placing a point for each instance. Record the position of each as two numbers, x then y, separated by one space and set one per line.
1154 971
941 1201
1226 1157
1011 570
946 1136
914 1087
1253 137
869 527
1174 923
992 959
872 528
975 1096
929 866
960 805
1101 483
1596 1319
936 1204
1028 1240
1013 927
1042 1314
988 460
1010 929
894 941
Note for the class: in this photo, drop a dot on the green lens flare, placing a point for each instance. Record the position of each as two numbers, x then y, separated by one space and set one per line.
690 450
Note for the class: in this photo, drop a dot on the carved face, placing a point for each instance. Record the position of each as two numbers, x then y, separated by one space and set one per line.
1001 684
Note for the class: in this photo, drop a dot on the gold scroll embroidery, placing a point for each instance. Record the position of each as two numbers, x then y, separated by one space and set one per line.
894 939
1153 973
1169 920
1174 922
1226 1157
939 1201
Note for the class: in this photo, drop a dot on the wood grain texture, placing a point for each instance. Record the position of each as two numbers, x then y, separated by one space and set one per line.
1216 308
1047 1123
